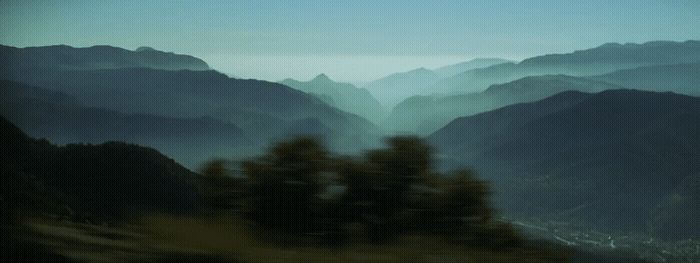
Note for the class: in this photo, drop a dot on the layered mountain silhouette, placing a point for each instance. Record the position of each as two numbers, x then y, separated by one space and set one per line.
608 159
451 70
343 96
95 182
95 57
558 135
392 89
600 60
680 78
262 109
58 117
396 87
426 114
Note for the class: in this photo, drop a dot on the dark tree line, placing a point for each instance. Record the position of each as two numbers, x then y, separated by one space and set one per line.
299 188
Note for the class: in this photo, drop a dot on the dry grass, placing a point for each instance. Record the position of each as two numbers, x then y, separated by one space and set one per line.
229 238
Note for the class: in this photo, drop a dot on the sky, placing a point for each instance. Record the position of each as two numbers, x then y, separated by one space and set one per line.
352 40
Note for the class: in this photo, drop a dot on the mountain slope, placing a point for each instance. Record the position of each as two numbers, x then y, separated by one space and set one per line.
425 115
97 182
343 96
594 61
190 140
608 159
392 89
262 108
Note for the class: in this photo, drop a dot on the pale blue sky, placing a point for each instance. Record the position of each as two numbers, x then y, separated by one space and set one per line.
280 38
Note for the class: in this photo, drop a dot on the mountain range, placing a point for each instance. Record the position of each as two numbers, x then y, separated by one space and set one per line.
60 118
610 159
265 111
343 96
560 136
426 114
680 78
595 61
396 87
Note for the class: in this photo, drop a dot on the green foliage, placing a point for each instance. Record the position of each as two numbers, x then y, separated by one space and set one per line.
284 184
298 188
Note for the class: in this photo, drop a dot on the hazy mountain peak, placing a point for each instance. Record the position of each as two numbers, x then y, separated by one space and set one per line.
144 48
322 78
611 44
422 70
343 96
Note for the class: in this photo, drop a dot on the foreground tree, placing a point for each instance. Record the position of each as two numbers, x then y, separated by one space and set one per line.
285 183
299 188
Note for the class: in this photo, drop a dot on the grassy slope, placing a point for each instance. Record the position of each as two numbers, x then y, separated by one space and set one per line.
226 239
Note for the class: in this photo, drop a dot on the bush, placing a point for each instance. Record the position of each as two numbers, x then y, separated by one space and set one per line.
298 188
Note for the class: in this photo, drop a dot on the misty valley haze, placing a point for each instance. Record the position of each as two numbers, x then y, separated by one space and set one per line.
554 146
310 131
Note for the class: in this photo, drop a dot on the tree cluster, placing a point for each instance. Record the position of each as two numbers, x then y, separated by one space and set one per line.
299 188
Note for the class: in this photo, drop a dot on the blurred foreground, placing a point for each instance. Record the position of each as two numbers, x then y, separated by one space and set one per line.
296 203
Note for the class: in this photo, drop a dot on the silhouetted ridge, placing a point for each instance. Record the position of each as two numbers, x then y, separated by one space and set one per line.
95 182
144 49
680 78
321 78
653 52
431 113
595 61
343 96
95 57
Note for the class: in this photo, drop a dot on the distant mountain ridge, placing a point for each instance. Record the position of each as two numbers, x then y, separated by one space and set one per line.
96 57
189 140
599 60
183 93
263 110
392 89
451 70
426 114
436 111
343 96
650 53
680 78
